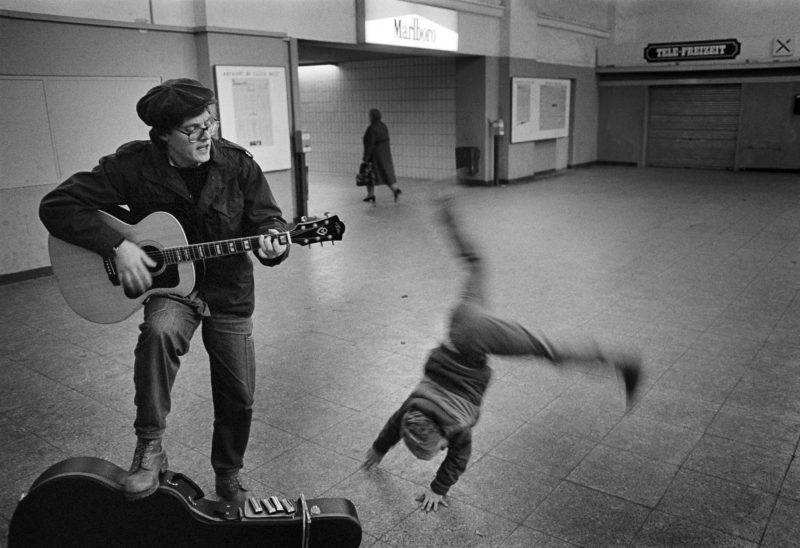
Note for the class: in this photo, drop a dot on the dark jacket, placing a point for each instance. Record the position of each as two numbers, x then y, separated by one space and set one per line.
377 151
236 201
464 377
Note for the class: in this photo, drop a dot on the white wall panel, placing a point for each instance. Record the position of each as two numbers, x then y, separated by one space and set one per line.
27 156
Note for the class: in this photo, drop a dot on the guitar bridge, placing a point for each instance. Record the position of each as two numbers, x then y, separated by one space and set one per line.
111 270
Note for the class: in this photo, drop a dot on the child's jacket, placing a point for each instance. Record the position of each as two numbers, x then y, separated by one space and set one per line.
450 393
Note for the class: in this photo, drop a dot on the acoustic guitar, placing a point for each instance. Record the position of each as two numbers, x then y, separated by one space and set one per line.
90 283
80 503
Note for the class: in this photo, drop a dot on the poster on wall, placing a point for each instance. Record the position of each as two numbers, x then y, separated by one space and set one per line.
539 109
254 112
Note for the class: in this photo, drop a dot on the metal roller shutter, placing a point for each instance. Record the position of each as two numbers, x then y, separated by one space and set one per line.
693 126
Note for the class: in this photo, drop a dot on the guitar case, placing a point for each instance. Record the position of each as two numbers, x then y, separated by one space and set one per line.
80 503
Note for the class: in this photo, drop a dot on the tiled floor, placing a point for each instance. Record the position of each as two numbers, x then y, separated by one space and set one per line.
698 269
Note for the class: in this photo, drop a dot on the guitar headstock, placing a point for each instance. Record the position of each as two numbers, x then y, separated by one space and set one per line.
318 231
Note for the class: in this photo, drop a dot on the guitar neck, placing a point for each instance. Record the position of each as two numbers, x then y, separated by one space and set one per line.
316 231
221 248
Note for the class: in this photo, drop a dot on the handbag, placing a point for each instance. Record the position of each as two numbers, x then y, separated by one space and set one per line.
366 175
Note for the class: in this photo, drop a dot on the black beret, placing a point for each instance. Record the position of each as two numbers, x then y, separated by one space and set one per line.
170 103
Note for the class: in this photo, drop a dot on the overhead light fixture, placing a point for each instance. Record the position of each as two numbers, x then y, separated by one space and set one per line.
319 64
322 69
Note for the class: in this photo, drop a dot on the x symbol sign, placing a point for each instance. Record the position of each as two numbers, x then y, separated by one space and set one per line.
783 45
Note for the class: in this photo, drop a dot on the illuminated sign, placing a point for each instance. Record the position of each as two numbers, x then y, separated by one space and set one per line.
706 50
398 23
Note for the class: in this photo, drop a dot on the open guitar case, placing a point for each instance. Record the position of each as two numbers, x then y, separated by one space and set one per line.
80 503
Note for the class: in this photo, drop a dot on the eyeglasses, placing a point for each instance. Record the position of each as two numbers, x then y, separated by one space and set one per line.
196 132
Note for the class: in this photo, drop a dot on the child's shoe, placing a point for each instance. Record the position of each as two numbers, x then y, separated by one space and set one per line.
629 368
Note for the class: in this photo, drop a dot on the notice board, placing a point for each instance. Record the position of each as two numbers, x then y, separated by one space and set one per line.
539 109
254 112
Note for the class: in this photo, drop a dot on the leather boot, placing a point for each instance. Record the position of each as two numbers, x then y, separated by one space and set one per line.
231 490
149 460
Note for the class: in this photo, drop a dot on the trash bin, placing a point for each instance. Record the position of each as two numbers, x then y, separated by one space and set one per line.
468 157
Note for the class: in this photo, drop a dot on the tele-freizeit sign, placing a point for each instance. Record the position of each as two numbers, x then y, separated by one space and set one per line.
705 50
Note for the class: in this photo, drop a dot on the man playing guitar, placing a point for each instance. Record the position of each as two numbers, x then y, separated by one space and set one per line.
216 191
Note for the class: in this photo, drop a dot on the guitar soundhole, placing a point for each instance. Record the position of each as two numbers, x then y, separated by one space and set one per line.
157 257
164 275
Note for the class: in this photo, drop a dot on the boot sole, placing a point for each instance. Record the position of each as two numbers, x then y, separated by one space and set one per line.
142 494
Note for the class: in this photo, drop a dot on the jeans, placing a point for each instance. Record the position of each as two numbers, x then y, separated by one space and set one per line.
477 333
164 337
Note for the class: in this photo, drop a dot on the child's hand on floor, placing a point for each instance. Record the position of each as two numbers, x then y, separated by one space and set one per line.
431 501
371 459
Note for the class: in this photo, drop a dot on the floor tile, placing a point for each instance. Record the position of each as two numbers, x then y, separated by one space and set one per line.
729 507
306 469
306 416
504 488
791 483
676 408
460 526
592 422
549 451
740 463
774 372
661 530
625 475
523 537
494 427
586 517
756 428
653 439
766 399
382 500
784 524
699 377
522 398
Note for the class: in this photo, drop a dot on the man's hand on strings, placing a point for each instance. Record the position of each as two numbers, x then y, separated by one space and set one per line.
132 267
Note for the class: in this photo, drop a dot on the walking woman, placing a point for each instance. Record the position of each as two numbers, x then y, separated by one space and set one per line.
377 152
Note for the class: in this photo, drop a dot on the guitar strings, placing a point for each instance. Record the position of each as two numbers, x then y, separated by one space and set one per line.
203 250
190 251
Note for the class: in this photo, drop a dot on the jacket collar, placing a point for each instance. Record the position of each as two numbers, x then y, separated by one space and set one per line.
159 171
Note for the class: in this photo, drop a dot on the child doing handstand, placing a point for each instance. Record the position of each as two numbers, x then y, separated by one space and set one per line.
444 407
